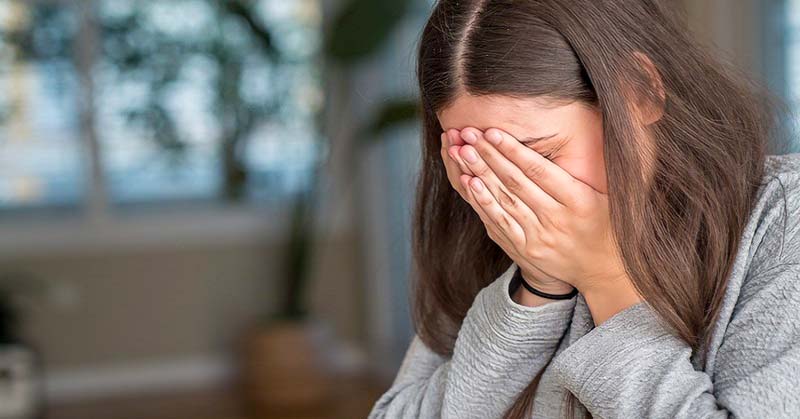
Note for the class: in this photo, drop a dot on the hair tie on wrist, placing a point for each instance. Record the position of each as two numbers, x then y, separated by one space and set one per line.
518 275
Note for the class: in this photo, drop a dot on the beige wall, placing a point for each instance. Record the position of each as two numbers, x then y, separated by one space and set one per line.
732 27
140 314
150 304
163 302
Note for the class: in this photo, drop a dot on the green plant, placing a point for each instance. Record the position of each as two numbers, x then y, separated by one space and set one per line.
360 30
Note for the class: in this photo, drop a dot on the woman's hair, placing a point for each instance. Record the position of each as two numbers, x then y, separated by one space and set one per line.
703 160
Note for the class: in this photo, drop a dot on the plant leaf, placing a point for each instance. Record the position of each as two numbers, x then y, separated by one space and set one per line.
393 113
362 28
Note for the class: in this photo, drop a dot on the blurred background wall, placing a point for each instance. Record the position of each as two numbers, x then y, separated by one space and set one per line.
152 153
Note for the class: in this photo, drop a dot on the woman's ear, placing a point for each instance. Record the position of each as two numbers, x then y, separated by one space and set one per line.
650 109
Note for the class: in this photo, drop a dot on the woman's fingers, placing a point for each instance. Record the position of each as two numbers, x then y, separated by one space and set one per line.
507 200
451 167
556 183
454 164
454 137
512 176
488 213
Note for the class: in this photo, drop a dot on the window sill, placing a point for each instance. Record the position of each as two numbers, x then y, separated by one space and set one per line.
132 229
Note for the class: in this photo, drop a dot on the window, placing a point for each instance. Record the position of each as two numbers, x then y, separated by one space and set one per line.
783 68
40 146
154 101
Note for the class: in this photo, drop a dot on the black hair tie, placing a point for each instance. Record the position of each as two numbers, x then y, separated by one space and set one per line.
518 275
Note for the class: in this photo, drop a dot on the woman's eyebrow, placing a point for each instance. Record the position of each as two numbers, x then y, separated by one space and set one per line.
534 140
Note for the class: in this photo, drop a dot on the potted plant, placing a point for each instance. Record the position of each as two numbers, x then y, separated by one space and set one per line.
285 366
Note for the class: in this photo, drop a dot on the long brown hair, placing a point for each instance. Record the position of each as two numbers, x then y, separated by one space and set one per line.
678 232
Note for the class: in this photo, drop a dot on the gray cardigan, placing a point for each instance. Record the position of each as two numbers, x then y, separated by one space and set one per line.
630 366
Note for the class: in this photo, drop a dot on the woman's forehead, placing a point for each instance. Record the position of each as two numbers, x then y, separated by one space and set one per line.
518 117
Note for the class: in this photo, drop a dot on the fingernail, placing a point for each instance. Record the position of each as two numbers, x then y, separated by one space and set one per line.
453 154
470 156
493 137
469 137
477 185
452 138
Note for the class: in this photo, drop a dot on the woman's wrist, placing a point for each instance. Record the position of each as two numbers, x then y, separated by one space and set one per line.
606 301
527 298
523 297
550 287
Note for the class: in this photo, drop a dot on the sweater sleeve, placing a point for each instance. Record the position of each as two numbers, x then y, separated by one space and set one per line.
501 346
631 366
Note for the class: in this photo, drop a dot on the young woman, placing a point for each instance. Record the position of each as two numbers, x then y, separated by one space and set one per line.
601 228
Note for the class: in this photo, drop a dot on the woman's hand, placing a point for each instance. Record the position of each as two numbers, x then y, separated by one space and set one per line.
456 167
557 226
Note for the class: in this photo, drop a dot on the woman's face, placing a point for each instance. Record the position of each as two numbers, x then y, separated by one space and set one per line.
574 133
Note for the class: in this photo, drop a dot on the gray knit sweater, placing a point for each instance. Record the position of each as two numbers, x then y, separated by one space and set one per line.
630 366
